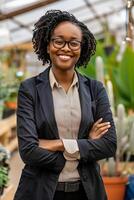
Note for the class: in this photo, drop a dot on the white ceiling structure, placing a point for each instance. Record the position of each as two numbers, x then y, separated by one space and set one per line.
17 17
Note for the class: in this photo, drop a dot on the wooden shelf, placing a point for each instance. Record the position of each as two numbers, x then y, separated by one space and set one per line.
23 46
12 145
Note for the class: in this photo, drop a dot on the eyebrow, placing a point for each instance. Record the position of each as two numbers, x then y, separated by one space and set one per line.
72 38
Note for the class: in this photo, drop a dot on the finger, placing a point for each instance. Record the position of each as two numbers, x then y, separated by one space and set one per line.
103 133
102 129
98 121
102 124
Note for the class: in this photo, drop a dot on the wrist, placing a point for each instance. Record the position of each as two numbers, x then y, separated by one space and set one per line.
60 145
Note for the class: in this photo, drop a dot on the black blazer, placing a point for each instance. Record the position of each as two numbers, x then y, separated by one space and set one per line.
35 120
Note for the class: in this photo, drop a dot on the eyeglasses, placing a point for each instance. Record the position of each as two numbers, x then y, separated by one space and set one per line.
59 43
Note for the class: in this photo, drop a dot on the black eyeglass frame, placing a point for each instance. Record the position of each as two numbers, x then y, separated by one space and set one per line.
66 42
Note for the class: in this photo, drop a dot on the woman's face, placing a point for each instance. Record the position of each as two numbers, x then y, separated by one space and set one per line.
65 55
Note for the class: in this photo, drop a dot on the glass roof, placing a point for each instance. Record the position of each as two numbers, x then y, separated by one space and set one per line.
18 17
12 5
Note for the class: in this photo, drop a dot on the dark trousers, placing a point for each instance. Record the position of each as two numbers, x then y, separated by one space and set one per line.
79 195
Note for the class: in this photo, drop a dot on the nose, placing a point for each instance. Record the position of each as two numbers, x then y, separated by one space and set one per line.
66 47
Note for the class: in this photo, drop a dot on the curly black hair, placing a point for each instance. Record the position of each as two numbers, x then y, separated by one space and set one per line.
44 28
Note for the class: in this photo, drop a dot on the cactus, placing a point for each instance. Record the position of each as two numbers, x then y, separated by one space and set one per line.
99 69
100 77
125 137
124 128
110 93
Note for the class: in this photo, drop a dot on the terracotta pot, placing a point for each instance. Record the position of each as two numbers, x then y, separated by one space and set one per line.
11 104
115 187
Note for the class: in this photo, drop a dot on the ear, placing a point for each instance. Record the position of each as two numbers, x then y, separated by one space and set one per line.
48 48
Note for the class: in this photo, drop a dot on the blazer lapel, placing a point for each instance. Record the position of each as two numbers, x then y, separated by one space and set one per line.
86 110
46 99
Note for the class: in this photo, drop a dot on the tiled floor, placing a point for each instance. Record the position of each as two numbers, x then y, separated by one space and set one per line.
16 166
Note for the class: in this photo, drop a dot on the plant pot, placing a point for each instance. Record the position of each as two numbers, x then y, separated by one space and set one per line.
115 187
108 50
11 104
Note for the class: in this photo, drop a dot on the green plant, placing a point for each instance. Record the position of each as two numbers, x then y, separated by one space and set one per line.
3 93
4 168
13 79
90 69
3 88
124 128
120 72
109 61
3 176
9 84
12 92
124 79
4 56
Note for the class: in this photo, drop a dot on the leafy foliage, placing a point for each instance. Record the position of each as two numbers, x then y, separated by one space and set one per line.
90 70
3 176
3 88
124 79
4 166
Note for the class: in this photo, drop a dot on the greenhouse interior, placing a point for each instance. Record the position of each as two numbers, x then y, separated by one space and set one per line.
27 165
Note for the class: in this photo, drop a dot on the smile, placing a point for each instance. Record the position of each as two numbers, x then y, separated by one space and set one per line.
64 57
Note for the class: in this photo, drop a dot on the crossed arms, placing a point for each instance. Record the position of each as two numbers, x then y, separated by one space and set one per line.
49 153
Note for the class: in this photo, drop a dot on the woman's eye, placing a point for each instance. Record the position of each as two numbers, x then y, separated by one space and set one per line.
74 43
59 42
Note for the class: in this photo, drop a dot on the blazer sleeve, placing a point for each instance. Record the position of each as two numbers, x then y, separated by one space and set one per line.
104 147
30 151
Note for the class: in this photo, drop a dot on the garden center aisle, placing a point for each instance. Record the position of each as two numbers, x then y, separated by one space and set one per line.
16 166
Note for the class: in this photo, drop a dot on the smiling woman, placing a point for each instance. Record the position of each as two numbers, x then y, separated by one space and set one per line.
64 121
64 47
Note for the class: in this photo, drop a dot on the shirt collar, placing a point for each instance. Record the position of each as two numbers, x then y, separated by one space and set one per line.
53 81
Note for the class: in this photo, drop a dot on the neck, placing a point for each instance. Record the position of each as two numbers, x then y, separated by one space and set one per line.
63 77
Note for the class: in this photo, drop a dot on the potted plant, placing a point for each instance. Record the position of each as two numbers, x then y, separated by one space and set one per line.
14 78
4 168
11 101
120 73
115 174
3 94
115 171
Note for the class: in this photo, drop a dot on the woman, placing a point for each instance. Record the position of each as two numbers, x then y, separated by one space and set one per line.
64 121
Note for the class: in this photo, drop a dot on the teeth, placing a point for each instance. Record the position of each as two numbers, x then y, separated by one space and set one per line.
64 57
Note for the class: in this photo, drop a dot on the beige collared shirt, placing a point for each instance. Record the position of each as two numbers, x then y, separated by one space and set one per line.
68 116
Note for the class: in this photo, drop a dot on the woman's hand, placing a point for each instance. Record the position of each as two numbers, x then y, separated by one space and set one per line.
99 129
51 145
